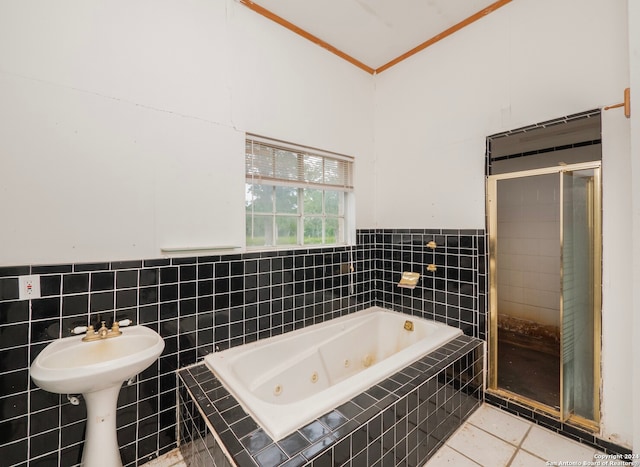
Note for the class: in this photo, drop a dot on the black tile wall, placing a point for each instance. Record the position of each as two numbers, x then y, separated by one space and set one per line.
455 293
202 304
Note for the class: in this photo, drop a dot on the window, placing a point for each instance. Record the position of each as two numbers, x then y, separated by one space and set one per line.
296 195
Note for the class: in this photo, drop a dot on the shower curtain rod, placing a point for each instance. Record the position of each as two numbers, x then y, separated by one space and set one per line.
626 104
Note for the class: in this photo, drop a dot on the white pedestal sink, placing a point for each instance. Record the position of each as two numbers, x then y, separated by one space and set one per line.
97 370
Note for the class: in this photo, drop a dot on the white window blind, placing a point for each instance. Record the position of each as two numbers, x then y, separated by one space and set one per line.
273 162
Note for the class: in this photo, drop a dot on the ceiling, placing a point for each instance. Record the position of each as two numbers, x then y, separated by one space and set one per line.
374 32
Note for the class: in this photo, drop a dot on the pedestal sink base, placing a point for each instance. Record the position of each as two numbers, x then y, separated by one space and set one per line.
96 369
101 442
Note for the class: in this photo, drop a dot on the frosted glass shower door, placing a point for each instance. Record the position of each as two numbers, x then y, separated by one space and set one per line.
528 286
545 258
580 278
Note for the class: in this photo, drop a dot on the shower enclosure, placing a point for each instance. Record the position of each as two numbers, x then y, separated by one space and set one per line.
545 289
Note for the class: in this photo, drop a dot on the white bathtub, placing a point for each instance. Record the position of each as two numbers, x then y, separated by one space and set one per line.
286 381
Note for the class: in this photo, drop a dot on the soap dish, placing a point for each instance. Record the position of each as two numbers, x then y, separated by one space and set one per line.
409 280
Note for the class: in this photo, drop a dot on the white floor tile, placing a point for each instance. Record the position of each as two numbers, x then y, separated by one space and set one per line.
524 459
447 456
482 447
553 447
171 459
499 423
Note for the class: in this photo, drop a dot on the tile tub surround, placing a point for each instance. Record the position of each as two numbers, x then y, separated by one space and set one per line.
455 293
400 421
199 304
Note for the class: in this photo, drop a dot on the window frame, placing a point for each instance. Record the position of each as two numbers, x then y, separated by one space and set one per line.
259 170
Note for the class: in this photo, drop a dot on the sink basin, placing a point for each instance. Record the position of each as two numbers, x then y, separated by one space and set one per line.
70 366
97 369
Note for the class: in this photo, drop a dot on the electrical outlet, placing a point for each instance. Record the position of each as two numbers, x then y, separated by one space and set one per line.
29 286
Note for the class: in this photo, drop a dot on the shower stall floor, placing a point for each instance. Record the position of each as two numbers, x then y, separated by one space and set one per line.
530 369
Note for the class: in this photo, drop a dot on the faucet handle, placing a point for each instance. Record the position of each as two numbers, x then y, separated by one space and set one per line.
115 327
90 333
79 330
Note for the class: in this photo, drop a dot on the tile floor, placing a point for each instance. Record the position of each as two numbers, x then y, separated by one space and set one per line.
490 438
170 459
494 438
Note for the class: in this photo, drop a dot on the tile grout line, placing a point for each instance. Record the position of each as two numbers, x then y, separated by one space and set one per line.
504 440
452 448
457 452
519 447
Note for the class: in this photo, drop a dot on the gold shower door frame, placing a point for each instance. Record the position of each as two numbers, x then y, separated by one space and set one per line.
595 223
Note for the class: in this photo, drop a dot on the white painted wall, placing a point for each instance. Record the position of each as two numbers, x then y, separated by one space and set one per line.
530 61
122 123
617 285
634 65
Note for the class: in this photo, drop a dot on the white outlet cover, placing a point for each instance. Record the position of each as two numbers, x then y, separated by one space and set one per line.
29 287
